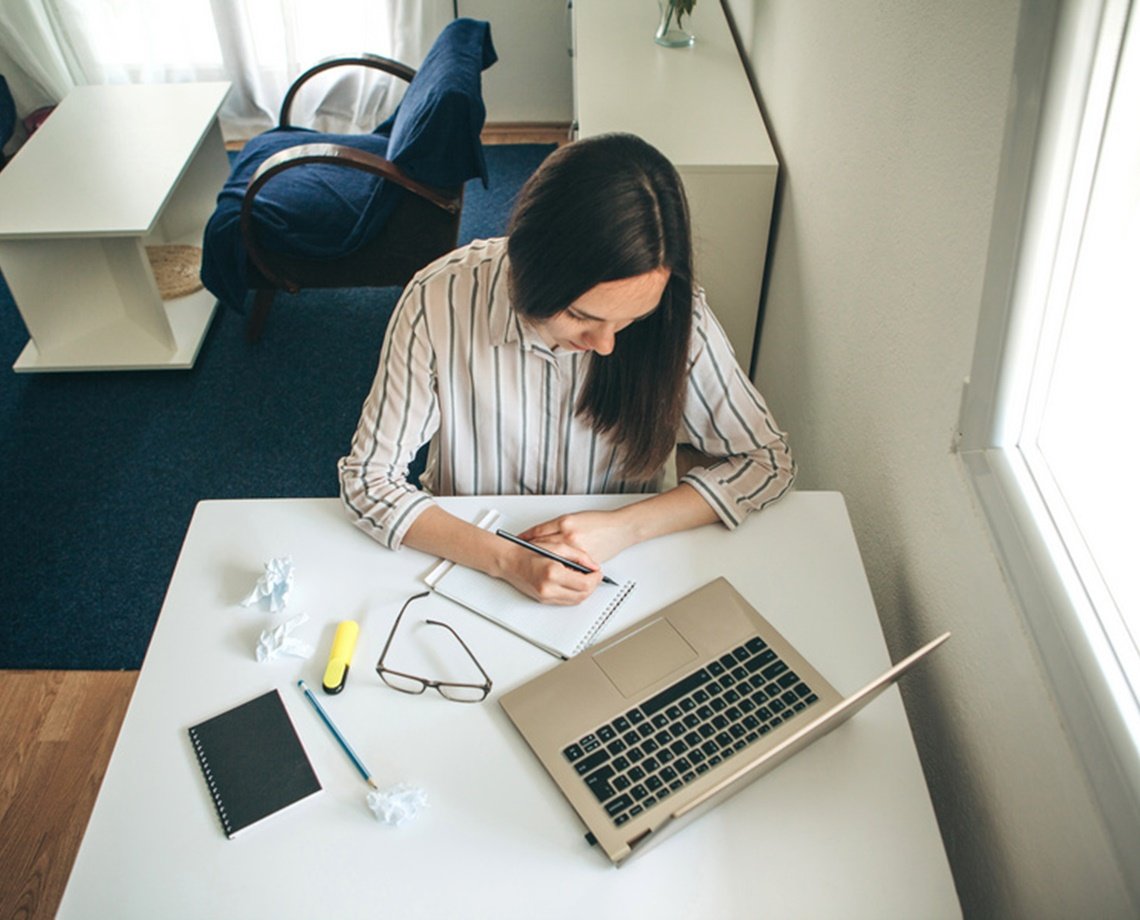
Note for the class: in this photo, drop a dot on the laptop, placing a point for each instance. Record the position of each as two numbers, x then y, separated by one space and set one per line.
652 727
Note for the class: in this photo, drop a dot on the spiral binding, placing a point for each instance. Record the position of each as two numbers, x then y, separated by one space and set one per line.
209 775
604 616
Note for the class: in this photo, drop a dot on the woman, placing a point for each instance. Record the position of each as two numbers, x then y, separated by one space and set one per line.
567 358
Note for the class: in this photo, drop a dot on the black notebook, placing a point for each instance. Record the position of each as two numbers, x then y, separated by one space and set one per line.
253 762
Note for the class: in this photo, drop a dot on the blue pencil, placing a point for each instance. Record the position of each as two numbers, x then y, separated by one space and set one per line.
352 755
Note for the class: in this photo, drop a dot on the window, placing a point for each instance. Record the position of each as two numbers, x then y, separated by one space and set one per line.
1048 428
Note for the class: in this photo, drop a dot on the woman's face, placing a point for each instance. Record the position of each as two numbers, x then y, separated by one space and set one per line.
592 321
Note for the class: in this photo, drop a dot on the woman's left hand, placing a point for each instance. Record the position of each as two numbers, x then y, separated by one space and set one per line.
600 534
604 534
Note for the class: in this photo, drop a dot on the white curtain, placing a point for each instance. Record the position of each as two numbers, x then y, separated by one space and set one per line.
258 45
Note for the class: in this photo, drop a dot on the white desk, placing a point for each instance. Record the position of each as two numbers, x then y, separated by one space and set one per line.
845 828
114 169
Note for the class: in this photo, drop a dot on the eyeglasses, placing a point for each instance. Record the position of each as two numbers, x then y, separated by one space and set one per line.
410 683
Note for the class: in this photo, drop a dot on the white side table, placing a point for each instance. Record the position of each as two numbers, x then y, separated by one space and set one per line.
114 169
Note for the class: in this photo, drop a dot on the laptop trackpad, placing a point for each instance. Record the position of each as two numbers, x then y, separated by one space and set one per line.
645 657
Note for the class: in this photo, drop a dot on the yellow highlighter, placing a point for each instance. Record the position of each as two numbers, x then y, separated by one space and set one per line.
344 643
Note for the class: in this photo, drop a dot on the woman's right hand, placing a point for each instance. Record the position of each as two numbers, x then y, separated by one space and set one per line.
440 533
545 580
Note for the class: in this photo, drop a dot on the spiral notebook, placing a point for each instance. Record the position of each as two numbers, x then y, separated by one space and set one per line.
561 631
253 762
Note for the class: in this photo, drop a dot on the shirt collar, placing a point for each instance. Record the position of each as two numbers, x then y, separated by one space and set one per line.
507 326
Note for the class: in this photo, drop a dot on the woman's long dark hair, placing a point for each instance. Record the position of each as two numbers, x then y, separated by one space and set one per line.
604 209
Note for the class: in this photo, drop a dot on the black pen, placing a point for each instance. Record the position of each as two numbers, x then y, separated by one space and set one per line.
569 563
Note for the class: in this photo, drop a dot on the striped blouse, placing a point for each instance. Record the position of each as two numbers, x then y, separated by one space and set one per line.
461 368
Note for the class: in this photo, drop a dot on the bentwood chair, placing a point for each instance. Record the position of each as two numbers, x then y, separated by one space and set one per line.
304 209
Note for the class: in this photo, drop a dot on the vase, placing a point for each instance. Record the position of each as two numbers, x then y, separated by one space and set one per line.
670 32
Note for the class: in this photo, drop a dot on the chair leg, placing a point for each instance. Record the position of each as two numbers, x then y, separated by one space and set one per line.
262 300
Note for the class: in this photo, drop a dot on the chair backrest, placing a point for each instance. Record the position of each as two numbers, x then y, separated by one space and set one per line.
433 136
434 133
325 212
7 115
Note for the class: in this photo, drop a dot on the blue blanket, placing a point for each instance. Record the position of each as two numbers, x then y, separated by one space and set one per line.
320 211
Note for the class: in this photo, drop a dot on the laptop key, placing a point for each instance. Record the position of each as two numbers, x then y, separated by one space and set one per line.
774 670
621 803
683 687
599 783
765 657
572 753
755 644
590 763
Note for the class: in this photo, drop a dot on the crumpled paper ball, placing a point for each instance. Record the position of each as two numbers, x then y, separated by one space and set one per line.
273 587
277 641
398 804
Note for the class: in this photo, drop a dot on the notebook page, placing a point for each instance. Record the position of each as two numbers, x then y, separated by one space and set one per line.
561 631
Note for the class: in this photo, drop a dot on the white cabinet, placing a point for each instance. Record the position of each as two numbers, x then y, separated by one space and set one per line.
696 106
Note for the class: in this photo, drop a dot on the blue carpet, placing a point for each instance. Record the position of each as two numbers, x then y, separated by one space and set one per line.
100 472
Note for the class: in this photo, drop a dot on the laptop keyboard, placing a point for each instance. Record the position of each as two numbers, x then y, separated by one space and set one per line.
673 737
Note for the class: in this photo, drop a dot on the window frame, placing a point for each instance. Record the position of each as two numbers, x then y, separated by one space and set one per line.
1055 65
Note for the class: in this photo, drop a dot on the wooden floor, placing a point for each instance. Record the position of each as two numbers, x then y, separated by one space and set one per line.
535 132
57 730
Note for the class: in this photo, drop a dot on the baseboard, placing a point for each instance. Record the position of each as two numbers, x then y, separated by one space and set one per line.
526 132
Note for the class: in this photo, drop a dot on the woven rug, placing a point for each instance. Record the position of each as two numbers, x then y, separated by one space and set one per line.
175 269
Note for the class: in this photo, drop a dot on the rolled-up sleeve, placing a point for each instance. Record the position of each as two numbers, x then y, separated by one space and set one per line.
725 417
399 416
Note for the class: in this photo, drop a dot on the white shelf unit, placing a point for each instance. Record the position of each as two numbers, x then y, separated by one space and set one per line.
696 106
114 169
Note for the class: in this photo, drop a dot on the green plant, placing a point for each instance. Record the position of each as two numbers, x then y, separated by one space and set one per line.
683 8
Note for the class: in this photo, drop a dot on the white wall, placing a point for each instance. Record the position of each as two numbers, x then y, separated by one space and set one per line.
532 79
889 117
